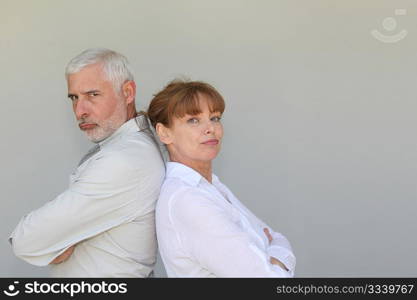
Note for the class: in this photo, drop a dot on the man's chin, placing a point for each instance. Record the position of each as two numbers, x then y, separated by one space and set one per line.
97 135
95 140
102 131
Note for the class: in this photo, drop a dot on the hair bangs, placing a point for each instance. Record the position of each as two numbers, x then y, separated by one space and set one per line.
190 103
180 98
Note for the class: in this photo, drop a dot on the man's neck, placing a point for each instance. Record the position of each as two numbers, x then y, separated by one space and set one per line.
131 113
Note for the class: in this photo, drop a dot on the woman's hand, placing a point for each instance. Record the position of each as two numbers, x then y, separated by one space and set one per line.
273 260
64 256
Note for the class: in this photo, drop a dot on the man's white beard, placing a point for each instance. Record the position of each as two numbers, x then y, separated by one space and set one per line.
106 128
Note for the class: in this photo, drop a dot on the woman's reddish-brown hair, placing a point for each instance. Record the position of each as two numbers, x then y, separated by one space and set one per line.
181 97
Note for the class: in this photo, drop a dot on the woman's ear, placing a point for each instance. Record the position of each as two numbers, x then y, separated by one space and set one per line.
163 133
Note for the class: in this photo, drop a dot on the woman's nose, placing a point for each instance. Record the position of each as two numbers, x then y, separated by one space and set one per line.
209 128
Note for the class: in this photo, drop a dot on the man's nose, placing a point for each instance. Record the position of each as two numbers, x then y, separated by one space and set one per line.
81 109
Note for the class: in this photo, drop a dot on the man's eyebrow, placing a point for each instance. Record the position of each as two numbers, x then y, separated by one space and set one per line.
84 93
90 92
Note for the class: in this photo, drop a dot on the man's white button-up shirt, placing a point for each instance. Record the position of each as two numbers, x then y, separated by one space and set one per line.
108 212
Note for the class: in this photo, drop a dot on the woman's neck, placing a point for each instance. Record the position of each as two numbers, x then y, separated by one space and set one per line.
202 167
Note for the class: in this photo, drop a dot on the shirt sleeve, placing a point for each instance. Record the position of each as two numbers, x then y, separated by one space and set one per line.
105 195
280 247
211 237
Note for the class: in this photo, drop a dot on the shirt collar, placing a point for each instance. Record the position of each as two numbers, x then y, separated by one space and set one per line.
135 124
185 173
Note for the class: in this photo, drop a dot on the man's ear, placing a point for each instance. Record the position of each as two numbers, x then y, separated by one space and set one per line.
163 133
129 91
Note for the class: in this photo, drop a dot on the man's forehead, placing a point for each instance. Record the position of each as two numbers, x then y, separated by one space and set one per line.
87 79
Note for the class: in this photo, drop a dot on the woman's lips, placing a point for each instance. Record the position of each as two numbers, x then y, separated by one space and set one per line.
86 126
211 142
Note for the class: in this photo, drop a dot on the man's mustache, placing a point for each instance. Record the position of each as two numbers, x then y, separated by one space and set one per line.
88 121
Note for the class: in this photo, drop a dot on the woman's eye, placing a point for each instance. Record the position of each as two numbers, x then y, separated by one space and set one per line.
216 119
192 121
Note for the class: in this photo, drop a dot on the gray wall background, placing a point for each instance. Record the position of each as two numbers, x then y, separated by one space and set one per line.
320 126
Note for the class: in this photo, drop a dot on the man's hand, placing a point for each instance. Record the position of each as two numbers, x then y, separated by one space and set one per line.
273 260
64 256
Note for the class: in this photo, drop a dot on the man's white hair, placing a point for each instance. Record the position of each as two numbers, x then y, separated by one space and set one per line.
115 65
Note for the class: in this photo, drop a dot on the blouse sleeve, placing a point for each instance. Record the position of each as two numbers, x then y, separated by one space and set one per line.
210 236
280 247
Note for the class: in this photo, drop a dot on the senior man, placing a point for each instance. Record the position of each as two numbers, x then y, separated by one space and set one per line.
103 224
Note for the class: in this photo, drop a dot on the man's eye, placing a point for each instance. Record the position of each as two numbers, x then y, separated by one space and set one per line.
72 97
192 121
94 94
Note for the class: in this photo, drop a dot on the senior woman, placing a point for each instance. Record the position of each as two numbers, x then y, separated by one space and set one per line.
203 230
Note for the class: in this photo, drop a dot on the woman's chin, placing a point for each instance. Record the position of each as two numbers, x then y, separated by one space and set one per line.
212 157
207 157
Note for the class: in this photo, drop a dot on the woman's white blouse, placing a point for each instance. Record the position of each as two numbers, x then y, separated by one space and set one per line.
203 230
